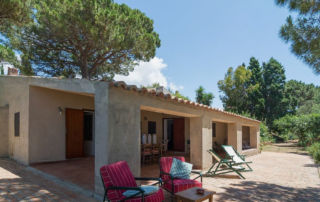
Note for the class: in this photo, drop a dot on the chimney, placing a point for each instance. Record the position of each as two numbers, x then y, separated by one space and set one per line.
13 71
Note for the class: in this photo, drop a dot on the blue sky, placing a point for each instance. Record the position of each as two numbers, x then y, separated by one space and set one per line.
201 39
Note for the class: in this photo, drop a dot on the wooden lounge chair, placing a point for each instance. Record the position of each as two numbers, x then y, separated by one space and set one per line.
223 166
117 178
236 157
174 185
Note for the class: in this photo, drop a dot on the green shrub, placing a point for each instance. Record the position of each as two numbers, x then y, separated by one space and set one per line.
304 127
265 134
314 150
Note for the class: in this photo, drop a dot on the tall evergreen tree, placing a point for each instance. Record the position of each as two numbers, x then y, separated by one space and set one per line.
303 30
255 96
273 90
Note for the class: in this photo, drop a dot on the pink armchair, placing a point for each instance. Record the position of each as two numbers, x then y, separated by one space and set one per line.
117 178
174 185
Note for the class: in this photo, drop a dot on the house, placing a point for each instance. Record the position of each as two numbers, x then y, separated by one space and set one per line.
51 119
8 69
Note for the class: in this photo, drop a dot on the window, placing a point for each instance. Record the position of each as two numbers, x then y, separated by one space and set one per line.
17 124
213 129
151 127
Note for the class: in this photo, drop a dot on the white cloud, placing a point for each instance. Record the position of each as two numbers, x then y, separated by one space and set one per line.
147 73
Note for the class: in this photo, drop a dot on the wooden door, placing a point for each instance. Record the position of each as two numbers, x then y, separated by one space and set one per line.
74 133
178 135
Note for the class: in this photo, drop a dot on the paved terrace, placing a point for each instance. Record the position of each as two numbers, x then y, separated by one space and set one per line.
278 176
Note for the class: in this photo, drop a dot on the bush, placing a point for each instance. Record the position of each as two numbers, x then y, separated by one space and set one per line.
265 134
304 127
314 150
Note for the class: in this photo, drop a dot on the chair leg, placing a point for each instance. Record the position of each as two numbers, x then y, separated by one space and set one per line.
104 197
250 169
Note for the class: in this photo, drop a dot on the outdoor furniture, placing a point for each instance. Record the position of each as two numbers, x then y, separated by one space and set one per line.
224 165
146 152
191 195
117 178
156 151
174 185
236 157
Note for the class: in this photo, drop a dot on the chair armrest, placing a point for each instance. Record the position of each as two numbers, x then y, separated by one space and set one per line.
140 191
199 175
196 172
164 173
159 180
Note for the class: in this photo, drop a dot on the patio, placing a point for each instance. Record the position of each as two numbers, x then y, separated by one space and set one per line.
275 178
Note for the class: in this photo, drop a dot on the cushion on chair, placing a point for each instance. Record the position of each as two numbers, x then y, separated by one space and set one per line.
180 169
118 175
165 165
181 184
147 191
156 197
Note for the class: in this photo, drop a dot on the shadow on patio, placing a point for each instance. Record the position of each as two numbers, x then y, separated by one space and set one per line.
260 191
19 184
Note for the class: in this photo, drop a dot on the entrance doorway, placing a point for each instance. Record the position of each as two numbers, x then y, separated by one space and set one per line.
79 133
174 134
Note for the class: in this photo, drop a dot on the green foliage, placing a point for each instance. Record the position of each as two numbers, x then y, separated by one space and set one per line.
234 88
265 133
304 127
202 97
255 96
273 90
303 32
14 13
298 94
314 150
1 70
179 95
96 39
176 93
255 90
25 66
7 54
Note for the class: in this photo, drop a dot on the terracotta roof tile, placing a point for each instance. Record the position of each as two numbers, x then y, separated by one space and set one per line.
152 92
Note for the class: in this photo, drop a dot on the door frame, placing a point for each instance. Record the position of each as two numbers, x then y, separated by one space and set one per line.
173 134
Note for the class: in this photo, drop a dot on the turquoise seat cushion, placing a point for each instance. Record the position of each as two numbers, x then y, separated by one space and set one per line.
180 169
148 190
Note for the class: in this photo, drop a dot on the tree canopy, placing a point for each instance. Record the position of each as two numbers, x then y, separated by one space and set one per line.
255 90
234 88
95 39
8 55
303 31
14 13
203 97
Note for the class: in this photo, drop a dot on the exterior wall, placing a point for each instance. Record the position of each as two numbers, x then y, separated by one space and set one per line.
221 133
235 136
47 126
200 142
255 137
4 134
15 93
147 116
